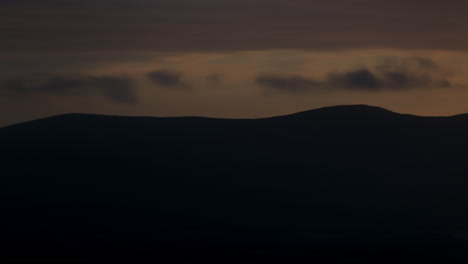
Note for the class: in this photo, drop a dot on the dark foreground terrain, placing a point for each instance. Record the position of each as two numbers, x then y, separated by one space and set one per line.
346 184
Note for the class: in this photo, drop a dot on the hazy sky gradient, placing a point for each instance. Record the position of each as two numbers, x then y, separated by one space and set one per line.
230 58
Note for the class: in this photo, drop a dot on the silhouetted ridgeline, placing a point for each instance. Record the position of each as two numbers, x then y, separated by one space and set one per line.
345 184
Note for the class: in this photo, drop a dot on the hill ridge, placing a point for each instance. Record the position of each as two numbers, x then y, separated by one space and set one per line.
356 110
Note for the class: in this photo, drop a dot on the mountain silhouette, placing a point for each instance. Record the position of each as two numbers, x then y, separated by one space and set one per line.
344 184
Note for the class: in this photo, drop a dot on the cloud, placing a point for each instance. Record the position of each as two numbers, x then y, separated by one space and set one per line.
362 79
393 74
291 84
389 74
113 88
214 78
117 89
167 79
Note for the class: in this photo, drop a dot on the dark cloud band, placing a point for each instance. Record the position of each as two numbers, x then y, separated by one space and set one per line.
167 79
113 88
390 74
181 25
291 84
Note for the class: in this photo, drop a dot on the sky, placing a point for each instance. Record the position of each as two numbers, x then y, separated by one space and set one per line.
230 58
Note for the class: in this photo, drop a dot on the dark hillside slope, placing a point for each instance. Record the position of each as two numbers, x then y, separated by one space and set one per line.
347 183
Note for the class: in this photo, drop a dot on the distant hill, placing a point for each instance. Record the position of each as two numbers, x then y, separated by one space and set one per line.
344 184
